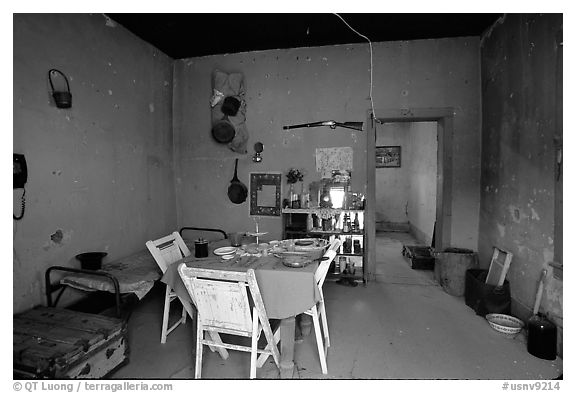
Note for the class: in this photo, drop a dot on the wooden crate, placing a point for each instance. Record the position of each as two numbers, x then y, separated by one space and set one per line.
58 343
420 257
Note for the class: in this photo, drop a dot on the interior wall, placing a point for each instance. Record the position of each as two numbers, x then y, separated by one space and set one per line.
100 173
422 166
293 86
519 74
392 184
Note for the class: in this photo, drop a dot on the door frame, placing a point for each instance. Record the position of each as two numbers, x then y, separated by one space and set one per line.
444 117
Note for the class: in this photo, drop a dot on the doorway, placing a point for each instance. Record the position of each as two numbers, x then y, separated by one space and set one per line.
443 117
406 182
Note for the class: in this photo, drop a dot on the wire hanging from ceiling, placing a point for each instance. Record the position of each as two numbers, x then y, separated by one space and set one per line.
371 60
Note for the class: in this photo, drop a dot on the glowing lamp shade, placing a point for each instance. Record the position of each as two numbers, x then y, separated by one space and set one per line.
337 197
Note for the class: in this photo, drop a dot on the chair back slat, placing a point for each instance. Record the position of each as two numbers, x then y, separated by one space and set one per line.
168 250
335 245
238 276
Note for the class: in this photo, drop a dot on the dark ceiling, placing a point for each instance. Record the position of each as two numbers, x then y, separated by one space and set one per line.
191 35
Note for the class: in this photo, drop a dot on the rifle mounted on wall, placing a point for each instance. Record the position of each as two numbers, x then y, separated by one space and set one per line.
353 125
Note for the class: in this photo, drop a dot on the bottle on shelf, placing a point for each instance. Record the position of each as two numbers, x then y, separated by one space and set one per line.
327 224
346 223
356 225
347 246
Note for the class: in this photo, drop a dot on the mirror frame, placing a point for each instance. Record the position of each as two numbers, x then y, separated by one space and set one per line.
257 180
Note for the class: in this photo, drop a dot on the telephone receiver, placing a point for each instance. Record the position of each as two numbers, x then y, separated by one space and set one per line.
20 179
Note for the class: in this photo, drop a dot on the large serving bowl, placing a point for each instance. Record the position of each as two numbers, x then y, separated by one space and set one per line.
295 259
314 247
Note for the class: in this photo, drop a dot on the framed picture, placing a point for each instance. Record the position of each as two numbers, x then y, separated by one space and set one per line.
388 157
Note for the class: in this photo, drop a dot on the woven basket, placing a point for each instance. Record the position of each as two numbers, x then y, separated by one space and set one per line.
506 324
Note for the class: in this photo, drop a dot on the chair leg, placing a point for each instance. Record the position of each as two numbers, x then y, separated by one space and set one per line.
183 319
253 351
324 324
199 347
166 315
215 336
264 356
319 340
188 308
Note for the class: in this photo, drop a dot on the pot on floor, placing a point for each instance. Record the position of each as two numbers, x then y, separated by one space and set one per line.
542 333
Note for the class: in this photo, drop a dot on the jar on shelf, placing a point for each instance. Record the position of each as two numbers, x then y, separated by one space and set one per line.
357 247
346 223
294 198
347 246
327 224
316 222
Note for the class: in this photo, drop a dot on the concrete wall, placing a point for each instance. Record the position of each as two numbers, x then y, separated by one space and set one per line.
312 84
519 74
101 172
422 163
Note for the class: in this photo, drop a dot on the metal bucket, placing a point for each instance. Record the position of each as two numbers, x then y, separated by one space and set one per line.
450 269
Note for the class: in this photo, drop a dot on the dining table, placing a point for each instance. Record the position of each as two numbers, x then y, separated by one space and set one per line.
286 291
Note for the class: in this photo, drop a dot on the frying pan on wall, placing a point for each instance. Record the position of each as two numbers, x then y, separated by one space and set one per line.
223 131
237 191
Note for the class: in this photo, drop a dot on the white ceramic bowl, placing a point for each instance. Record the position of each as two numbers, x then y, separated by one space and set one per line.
505 324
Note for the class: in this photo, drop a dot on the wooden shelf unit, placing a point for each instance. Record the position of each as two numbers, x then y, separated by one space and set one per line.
302 223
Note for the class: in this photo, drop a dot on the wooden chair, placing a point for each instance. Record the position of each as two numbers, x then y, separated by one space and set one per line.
221 298
166 251
318 311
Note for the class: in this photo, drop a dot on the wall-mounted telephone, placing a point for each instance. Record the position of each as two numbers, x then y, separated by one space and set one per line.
20 179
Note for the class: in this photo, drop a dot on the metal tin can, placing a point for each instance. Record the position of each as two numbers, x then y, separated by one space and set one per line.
201 248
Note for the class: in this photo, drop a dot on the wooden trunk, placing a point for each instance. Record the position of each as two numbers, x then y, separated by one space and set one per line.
59 343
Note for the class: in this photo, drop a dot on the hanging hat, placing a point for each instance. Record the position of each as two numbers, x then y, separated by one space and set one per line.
223 131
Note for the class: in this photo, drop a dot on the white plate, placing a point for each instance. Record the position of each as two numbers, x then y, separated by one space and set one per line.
256 233
227 256
225 250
